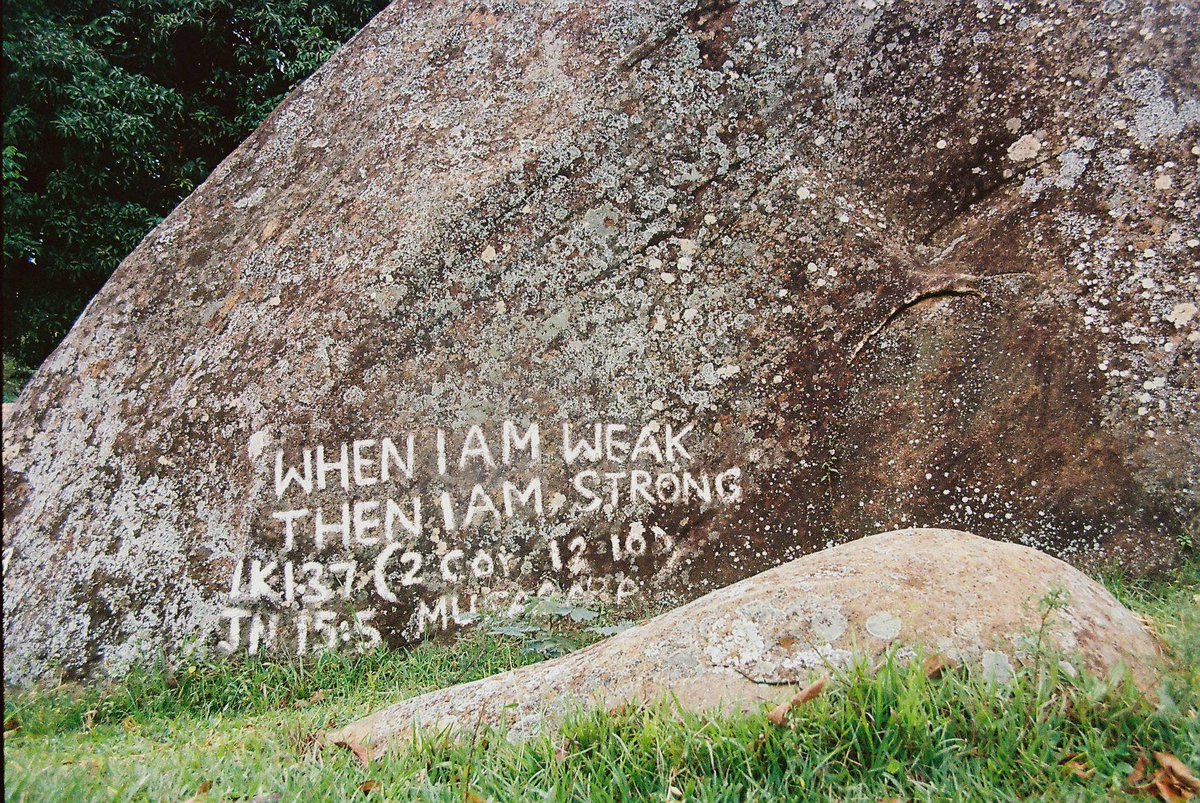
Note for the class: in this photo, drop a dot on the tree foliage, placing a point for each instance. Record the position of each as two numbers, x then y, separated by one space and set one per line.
113 113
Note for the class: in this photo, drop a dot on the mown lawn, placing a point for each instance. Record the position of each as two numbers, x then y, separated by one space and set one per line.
247 732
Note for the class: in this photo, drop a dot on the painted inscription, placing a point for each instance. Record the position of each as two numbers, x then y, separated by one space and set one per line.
427 529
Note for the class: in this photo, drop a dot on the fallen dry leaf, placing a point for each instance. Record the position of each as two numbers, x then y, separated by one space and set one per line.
622 710
778 715
936 665
360 752
201 791
810 692
1179 771
1172 783
369 786
1079 769
1166 788
674 793
1138 774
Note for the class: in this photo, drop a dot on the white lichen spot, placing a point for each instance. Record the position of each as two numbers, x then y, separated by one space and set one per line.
1182 314
489 254
740 645
252 200
884 625
726 371
258 442
1071 166
803 194
1025 148
997 668
829 625
822 657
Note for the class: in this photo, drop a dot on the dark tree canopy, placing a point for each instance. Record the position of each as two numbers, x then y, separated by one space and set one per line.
113 112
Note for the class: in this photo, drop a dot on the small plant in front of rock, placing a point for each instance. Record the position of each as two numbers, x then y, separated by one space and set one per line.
550 627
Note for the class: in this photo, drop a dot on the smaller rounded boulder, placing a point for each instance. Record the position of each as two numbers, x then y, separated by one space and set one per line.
987 604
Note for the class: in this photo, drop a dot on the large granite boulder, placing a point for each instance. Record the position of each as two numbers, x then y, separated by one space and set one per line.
989 605
815 270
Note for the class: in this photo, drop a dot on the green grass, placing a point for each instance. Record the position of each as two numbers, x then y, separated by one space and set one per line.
246 730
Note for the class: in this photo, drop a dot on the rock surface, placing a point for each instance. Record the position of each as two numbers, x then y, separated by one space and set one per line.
885 264
971 599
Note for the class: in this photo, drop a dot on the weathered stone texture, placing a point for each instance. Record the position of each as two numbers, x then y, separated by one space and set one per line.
982 603
902 263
